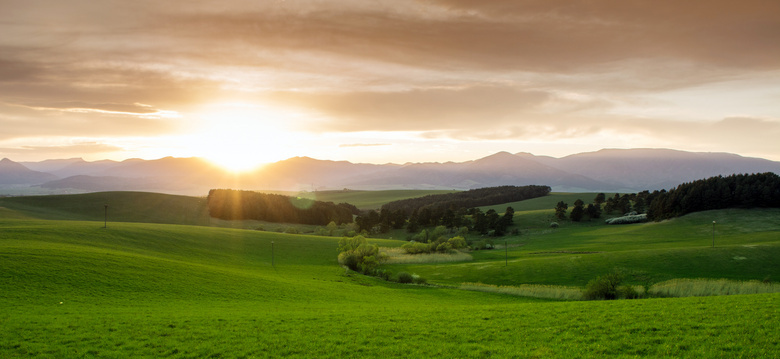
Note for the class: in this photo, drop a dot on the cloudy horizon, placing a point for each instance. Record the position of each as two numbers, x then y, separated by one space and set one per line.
246 82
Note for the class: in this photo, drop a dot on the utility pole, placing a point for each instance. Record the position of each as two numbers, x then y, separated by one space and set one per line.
105 216
713 234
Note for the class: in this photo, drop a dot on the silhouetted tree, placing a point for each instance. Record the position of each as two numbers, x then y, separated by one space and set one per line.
560 210
578 211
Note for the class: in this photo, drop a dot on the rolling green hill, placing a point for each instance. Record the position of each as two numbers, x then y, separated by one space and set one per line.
75 289
747 245
146 207
142 207
371 199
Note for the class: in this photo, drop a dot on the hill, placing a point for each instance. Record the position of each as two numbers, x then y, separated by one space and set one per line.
122 207
74 289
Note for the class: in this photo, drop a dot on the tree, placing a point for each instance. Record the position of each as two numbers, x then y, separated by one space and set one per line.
600 198
578 211
560 210
480 221
624 204
331 228
593 211
639 205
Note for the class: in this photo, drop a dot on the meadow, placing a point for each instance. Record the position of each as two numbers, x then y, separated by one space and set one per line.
71 288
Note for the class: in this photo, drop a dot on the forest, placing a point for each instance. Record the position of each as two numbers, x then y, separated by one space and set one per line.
735 191
237 205
489 196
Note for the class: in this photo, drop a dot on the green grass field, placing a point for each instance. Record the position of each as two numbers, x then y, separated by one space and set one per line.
71 288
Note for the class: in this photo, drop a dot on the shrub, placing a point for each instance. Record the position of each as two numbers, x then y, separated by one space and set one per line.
604 287
554 225
291 230
349 259
628 292
404 277
486 243
358 255
457 242
416 279
445 247
384 274
418 248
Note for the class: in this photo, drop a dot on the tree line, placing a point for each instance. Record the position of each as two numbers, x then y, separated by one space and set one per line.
742 190
739 190
239 205
438 203
451 210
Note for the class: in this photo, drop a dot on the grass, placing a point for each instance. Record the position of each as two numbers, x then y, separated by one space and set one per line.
747 245
71 288
371 199
529 290
398 255
707 287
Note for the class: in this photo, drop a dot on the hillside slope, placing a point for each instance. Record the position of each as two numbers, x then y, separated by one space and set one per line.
74 289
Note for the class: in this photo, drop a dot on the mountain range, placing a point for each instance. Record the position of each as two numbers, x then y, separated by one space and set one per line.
608 170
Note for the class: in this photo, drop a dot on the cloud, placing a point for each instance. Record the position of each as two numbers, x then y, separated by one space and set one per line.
74 149
347 145
541 70
415 110
20 121
112 108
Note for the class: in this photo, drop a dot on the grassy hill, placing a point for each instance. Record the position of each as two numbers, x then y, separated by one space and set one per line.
747 245
145 207
142 207
75 289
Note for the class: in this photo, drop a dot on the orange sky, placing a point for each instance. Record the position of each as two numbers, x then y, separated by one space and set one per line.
246 82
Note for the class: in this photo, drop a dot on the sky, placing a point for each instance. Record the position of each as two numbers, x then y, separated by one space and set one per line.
245 82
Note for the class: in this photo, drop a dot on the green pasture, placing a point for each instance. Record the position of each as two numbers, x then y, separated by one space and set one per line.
70 288
747 245
371 199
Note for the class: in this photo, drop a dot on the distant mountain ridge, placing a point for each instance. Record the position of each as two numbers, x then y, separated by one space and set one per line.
12 173
608 170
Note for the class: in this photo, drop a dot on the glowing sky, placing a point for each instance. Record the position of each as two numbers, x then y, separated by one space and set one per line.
245 82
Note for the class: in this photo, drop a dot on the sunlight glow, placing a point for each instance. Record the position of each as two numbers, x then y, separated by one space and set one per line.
242 137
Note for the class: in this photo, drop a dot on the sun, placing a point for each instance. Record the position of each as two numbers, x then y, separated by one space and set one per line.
241 137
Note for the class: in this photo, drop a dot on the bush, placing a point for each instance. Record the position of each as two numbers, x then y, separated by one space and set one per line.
358 255
457 242
482 244
628 292
554 225
291 230
418 248
445 247
384 274
603 288
349 259
418 280
404 277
